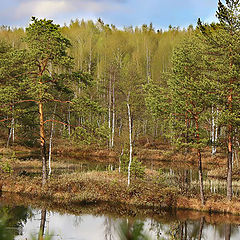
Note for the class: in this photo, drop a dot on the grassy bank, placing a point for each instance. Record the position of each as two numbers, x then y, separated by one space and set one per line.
120 210
151 191
94 187
152 152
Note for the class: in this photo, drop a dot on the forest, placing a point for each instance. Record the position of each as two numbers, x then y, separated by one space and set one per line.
129 95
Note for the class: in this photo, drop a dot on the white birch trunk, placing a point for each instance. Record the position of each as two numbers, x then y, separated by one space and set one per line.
13 130
119 169
50 143
9 136
120 128
90 57
147 56
130 139
113 112
69 116
109 109
236 152
13 127
11 133
214 133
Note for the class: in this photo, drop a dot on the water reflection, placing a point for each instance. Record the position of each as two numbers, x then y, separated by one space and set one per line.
183 176
18 223
132 230
42 224
12 221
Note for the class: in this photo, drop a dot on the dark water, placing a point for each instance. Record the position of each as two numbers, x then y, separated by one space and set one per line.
21 223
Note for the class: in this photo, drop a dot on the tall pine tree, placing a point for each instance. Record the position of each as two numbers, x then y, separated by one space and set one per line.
222 51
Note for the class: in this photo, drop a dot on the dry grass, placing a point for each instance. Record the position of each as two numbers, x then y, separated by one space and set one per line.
118 209
93 187
221 173
215 204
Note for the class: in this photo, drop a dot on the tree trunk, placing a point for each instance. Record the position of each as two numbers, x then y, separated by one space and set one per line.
120 161
113 112
11 131
50 143
130 139
90 57
227 231
230 134
120 128
109 109
148 68
213 134
68 120
43 145
229 166
42 224
182 231
201 228
186 232
200 177
200 173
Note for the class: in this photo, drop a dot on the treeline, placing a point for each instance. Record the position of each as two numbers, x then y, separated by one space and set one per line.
95 84
113 66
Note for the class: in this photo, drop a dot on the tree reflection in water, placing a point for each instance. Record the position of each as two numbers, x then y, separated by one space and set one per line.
132 230
42 224
12 220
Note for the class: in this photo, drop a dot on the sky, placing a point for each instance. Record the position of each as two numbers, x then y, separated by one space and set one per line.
121 13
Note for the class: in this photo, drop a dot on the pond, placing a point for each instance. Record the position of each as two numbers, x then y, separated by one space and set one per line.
178 174
21 222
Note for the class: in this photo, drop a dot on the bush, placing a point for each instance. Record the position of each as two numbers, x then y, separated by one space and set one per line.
137 168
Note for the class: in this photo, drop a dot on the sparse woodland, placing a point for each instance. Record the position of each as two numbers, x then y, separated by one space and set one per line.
93 85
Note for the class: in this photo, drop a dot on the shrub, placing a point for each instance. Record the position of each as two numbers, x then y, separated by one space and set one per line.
137 168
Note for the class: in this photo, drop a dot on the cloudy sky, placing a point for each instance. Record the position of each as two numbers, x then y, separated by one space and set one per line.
121 13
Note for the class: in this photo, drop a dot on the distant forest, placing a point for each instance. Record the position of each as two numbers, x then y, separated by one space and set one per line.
94 84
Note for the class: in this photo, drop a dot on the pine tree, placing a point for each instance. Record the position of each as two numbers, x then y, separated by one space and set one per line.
190 97
47 47
222 51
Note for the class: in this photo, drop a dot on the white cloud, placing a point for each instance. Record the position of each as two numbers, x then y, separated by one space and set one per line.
51 8
39 8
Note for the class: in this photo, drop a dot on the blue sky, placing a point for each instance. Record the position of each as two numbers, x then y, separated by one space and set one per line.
161 13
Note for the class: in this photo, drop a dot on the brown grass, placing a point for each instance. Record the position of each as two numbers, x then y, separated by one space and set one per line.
93 187
215 204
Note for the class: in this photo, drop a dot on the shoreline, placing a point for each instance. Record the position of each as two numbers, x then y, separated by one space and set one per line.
110 187
120 210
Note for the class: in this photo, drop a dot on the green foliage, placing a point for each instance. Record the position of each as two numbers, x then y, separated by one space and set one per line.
162 177
12 220
46 42
46 237
90 133
6 164
5 235
39 69
133 231
156 99
137 168
82 136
